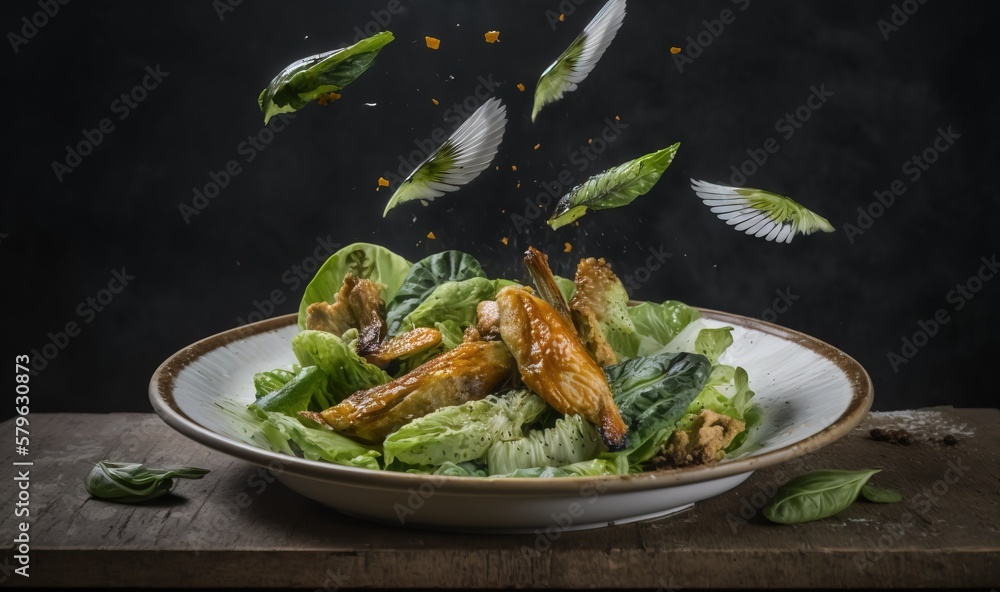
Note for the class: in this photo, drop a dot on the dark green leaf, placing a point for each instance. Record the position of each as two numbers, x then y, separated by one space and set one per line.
423 277
304 392
132 483
880 495
652 394
816 495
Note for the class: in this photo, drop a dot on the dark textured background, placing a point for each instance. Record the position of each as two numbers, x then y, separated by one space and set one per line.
316 179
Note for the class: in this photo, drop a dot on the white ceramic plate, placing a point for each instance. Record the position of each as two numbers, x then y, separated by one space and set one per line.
811 394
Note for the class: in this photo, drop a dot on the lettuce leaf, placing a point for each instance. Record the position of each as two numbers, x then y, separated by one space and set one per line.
572 439
282 433
265 383
306 391
426 275
566 286
346 372
655 326
652 394
711 343
362 260
451 301
450 469
586 468
464 432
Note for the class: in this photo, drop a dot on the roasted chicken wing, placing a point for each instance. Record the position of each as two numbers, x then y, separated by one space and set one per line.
359 305
405 344
468 372
553 363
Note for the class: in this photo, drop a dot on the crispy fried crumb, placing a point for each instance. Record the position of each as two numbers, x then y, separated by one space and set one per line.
893 436
703 443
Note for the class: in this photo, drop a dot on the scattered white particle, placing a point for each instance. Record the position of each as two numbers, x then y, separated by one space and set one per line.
414 217
307 36
370 104
425 203
922 424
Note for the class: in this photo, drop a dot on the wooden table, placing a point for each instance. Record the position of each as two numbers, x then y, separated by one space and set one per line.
238 527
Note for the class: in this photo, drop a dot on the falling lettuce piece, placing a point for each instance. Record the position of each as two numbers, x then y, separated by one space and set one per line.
346 372
760 213
311 78
451 301
459 160
362 260
587 468
288 435
265 383
464 432
579 59
572 439
652 394
614 188
426 275
305 392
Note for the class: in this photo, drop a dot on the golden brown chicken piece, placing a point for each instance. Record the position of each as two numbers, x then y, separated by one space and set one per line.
333 318
358 306
704 442
412 342
488 319
555 365
545 282
594 281
468 372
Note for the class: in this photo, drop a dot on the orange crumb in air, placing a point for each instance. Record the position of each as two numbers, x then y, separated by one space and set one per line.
518 185
432 42
435 101
504 240
537 146
520 87
590 141
567 248
513 167
492 36
327 98
675 50
562 17
617 118
431 236
383 182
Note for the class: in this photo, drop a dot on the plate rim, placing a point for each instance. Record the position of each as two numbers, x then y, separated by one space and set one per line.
161 387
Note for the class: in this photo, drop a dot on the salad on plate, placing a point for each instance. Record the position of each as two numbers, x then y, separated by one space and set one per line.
434 367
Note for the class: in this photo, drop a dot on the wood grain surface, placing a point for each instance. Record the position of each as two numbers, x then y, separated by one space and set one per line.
239 527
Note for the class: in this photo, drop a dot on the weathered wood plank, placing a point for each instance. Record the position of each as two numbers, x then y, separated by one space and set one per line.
239 527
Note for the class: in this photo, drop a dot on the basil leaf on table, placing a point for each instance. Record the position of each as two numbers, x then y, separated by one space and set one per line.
132 483
880 495
614 188
816 495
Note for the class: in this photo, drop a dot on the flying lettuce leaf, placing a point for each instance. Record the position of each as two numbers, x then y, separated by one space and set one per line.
426 275
760 213
451 301
572 439
464 432
652 394
311 78
458 161
346 372
282 433
579 59
361 260
614 188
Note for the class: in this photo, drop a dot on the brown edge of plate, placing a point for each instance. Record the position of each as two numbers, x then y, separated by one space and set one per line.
161 396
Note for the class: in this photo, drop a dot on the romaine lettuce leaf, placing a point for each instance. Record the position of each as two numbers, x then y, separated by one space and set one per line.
306 391
655 326
652 394
567 287
282 433
450 469
362 260
346 372
711 343
463 432
426 275
265 383
572 439
451 301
